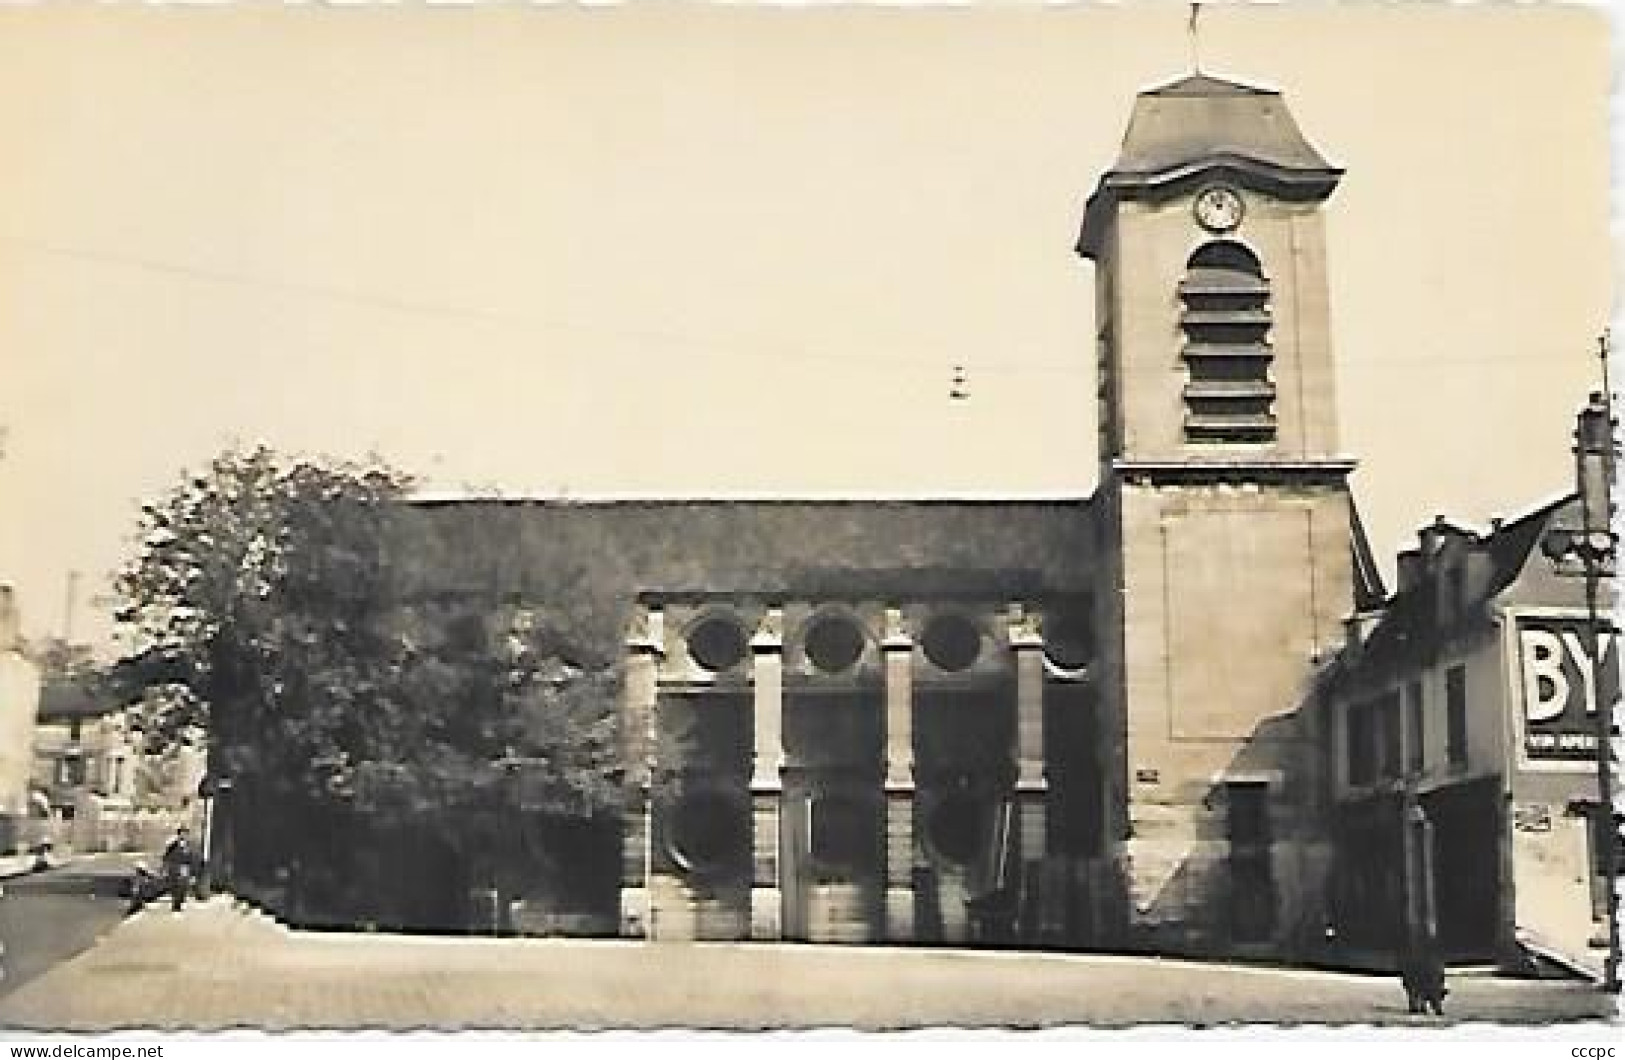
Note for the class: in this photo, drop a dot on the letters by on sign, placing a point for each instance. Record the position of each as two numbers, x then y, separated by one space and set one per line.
1560 687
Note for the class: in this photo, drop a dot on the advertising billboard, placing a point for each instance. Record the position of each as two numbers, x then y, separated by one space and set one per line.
1562 689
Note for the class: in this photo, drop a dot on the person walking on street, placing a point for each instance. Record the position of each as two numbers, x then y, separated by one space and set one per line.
180 863
1422 974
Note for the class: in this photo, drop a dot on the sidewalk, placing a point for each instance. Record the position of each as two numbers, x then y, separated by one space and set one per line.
219 964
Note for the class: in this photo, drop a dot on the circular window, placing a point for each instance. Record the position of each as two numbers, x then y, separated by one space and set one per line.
952 642
709 831
955 827
834 644
1067 640
717 643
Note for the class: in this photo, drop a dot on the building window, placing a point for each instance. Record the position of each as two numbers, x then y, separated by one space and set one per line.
1415 729
956 828
1391 721
70 771
841 835
1455 594
1455 685
75 727
1362 743
710 833
1229 396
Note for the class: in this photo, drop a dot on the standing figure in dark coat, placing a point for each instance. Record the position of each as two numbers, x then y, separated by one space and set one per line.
180 863
1421 971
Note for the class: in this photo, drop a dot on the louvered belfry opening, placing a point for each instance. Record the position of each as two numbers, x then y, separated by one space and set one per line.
1226 320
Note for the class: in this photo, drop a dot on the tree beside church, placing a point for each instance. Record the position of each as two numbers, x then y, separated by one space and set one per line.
369 751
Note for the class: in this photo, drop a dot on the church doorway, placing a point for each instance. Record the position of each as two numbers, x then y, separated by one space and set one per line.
832 832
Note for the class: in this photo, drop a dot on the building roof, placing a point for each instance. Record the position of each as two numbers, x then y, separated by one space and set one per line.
1510 544
1186 129
1410 619
670 498
1369 591
62 700
762 545
1199 117
595 558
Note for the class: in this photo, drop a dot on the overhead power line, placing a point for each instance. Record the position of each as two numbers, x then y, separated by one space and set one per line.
738 347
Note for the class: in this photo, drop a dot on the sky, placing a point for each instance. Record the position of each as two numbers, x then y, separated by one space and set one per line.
709 250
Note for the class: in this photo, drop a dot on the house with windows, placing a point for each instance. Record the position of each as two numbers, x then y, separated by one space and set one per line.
19 702
95 783
1459 752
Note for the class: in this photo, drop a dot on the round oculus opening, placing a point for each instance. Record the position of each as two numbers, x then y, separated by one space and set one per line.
1067 641
718 643
952 642
834 644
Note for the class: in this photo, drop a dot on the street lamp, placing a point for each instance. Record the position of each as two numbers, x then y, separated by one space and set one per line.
1593 543
1594 460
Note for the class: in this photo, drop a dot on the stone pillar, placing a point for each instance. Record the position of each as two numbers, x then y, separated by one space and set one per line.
645 647
899 784
1032 786
767 776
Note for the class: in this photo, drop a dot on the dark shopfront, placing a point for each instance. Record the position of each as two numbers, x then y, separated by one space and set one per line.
1368 887
1368 899
1467 831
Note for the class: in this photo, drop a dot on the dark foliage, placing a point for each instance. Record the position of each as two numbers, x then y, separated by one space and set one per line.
265 599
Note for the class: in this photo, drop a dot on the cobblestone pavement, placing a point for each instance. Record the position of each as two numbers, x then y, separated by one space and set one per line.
219 965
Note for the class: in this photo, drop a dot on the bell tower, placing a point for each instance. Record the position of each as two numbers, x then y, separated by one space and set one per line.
1223 505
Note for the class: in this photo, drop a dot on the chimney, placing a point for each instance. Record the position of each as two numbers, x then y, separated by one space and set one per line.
10 623
1431 536
1410 568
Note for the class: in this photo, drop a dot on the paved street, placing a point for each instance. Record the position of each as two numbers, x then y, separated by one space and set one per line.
218 965
47 917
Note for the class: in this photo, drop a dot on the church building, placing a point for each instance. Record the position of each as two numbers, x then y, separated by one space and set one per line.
1061 722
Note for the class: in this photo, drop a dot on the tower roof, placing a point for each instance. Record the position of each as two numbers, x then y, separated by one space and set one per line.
1199 117
1185 129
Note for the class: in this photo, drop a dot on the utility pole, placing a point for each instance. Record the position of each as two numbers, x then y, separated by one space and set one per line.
69 598
1594 470
1194 29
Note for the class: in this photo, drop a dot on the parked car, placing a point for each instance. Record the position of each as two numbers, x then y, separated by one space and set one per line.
143 886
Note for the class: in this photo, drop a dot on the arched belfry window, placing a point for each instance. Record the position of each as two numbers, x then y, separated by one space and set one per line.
1229 397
